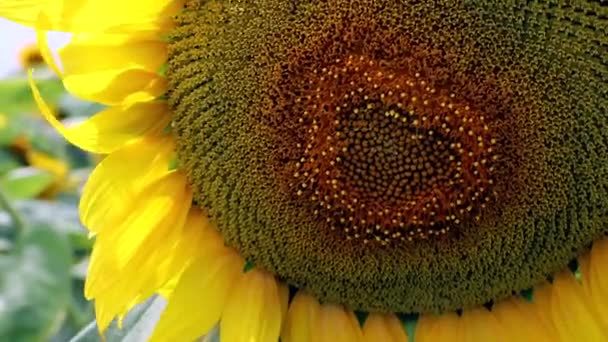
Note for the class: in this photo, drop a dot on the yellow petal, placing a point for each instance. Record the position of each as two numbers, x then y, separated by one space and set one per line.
56 167
383 327
154 218
571 312
113 87
445 327
253 310
198 300
283 300
595 279
195 233
45 162
479 324
136 255
90 52
520 322
45 51
337 324
112 128
113 68
302 317
541 303
92 15
117 180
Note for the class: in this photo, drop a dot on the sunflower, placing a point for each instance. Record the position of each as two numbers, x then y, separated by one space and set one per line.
56 167
30 56
22 149
334 170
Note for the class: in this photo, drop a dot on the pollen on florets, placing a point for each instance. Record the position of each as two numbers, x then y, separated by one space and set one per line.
386 156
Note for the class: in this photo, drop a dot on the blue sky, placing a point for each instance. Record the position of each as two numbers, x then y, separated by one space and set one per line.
13 37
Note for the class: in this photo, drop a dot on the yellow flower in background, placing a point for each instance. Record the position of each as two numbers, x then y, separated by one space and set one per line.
3 121
30 56
388 157
58 168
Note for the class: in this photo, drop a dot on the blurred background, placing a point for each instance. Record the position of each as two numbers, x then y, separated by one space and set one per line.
44 250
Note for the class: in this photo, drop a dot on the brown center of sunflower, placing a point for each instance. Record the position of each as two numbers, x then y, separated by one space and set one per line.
384 156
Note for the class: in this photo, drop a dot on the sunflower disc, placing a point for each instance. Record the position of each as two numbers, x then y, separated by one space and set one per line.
396 155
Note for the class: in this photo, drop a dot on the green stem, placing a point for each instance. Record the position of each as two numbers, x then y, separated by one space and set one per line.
14 215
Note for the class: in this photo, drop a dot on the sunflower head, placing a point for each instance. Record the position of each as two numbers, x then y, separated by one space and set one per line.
30 56
348 145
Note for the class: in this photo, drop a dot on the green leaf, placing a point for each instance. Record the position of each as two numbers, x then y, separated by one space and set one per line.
80 313
137 325
34 286
16 95
59 216
43 137
8 161
62 217
25 182
35 132
8 134
5 245
80 269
